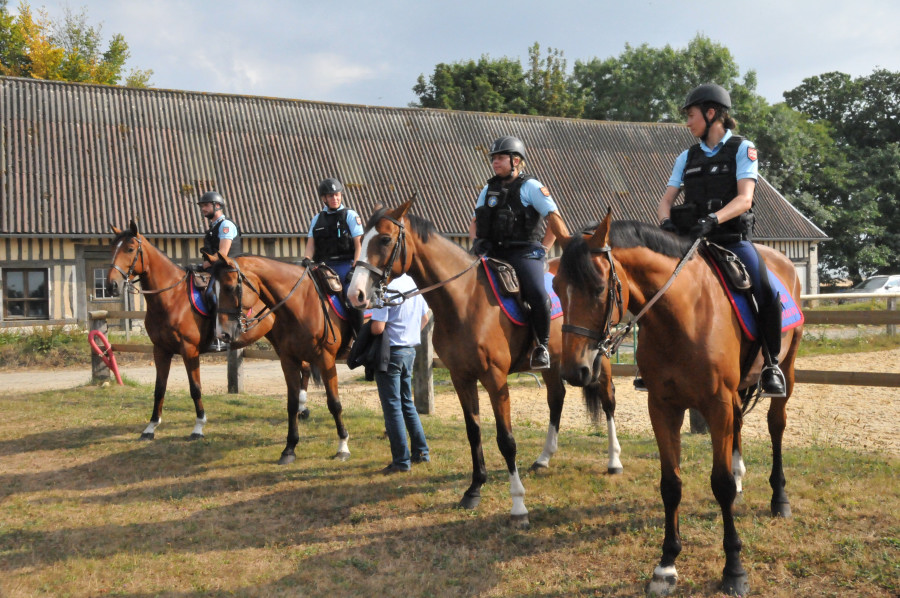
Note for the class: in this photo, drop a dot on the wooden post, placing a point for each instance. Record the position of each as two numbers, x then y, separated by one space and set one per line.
99 372
698 424
892 306
235 371
423 372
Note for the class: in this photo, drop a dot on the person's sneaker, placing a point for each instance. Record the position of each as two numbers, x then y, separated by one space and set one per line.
392 469
540 358
216 346
420 458
772 382
639 384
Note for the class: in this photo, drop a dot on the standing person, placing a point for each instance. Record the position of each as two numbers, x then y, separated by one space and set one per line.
223 236
335 238
719 176
403 324
509 225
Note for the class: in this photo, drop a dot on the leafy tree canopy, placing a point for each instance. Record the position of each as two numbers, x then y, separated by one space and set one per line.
32 45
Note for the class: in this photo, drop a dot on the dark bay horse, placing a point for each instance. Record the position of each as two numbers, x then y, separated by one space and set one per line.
306 332
172 325
691 353
473 338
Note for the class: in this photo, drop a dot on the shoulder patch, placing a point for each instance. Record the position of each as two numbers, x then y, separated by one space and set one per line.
226 229
358 221
751 153
545 191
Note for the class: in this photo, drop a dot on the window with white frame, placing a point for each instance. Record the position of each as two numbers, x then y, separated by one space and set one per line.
100 290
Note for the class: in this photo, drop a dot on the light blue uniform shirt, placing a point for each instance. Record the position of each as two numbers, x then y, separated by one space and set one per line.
228 230
530 195
403 323
747 168
352 218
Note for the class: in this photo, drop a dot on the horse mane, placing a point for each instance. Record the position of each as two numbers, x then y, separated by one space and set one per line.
575 261
423 227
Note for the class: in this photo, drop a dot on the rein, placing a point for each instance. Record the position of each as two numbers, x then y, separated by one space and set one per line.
246 323
607 342
130 278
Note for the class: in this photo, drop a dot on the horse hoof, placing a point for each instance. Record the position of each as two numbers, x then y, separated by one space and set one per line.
195 436
736 585
781 509
469 502
538 467
303 415
287 459
662 585
520 521
147 436
341 456
614 470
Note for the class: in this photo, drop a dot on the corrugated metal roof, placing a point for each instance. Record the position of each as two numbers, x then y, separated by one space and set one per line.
76 157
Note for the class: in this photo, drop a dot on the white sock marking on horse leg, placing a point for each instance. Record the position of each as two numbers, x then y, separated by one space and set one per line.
517 492
151 427
302 401
614 449
198 426
550 446
343 446
659 585
738 470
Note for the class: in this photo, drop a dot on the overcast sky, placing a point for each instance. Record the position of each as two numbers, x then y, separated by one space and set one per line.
371 52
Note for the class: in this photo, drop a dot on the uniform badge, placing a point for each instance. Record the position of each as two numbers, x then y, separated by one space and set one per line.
225 229
545 191
492 201
751 153
358 221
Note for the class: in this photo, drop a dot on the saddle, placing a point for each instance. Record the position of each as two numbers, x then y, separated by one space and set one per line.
505 276
730 265
201 279
327 279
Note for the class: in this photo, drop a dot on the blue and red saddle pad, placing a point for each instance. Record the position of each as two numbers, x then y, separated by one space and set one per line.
199 303
791 316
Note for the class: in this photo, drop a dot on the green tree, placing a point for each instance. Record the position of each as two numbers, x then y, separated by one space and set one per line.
68 50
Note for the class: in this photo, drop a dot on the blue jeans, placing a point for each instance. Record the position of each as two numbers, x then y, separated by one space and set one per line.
395 391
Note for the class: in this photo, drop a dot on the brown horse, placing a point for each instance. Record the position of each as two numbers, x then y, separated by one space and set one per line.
473 338
307 332
691 354
172 325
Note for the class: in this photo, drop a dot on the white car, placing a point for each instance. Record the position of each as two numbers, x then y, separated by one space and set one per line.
878 284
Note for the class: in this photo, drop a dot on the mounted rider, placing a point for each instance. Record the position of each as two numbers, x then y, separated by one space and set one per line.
223 236
719 176
335 239
516 220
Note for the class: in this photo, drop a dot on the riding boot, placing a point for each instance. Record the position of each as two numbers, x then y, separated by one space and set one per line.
212 304
771 378
540 322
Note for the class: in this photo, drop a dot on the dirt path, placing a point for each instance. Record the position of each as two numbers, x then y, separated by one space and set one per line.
858 417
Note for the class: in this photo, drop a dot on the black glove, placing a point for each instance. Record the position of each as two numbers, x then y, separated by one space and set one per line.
704 226
668 226
480 246
306 262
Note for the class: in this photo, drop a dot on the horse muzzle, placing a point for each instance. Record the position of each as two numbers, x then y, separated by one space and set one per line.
112 288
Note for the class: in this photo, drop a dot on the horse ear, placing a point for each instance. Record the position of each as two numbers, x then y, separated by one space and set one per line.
400 212
133 227
564 241
115 229
601 235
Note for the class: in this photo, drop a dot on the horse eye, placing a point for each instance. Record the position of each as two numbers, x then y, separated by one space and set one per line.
385 240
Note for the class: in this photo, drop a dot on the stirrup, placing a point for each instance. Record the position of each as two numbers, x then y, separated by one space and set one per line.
540 358
777 387
216 346
639 383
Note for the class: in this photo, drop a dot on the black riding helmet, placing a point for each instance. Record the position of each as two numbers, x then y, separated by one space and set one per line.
330 185
708 95
508 145
212 197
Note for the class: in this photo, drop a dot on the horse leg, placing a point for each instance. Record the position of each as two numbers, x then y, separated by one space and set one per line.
330 379
721 429
292 378
667 429
192 365
602 394
467 391
738 469
777 420
556 394
303 410
163 361
499 392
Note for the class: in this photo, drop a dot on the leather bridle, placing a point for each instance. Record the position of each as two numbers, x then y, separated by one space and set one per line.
605 339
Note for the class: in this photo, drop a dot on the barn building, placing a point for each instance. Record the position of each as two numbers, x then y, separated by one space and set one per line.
76 158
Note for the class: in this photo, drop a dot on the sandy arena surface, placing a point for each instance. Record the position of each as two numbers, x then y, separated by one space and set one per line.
858 417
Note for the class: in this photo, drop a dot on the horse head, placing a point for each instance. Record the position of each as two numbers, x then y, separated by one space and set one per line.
591 297
127 257
384 255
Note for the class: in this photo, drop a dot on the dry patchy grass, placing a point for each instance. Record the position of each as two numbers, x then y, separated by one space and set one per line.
87 510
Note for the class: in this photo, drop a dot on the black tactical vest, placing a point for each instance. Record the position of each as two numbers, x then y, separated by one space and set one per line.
211 240
503 219
710 183
332 237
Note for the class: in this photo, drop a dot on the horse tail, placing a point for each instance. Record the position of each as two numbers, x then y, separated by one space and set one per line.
316 374
592 394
